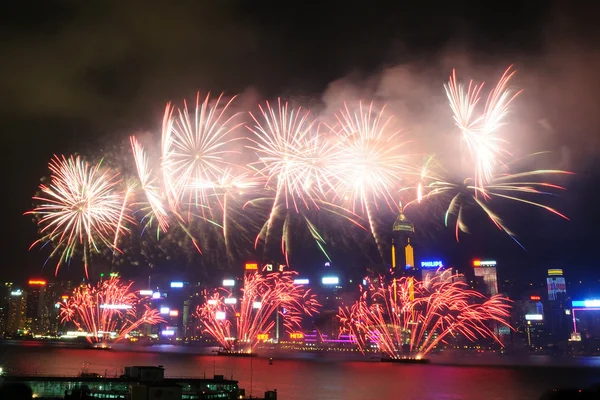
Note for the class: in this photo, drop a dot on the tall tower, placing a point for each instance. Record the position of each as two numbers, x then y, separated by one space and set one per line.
403 254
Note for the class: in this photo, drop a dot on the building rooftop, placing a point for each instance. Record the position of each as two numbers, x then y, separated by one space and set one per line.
402 224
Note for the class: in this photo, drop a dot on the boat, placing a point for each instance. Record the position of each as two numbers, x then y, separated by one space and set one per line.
101 346
233 353
406 360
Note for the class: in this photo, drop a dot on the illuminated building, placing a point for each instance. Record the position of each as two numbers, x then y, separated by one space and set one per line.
430 269
5 289
250 267
586 323
17 305
558 323
557 287
36 312
403 254
487 271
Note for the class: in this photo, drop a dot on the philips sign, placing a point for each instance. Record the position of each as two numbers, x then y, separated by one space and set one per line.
431 264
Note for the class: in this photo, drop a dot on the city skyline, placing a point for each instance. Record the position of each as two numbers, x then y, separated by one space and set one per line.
550 242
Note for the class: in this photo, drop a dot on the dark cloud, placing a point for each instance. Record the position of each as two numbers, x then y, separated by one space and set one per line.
107 60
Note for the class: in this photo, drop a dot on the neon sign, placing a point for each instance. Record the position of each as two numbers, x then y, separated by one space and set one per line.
555 272
251 266
165 310
534 317
146 293
173 313
535 298
431 264
37 282
230 300
228 282
296 335
479 263
301 281
586 303
262 336
220 315
176 284
330 280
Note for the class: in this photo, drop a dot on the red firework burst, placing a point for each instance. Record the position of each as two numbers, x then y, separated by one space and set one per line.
252 315
109 310
413 317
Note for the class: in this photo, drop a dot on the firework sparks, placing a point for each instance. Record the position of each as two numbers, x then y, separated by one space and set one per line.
110 310
415 317
296 161
508 187
480 129
372 161
293 156
81 209
263 296
149 185
194 152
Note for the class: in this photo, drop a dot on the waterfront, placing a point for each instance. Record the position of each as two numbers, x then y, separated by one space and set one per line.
327 376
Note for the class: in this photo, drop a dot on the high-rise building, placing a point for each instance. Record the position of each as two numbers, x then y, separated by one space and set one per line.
403 254
17 305
557 287
36 313
487 271
558 321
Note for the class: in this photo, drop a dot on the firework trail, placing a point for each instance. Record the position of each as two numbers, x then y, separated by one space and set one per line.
415 317
109 307
479 126
511 187
372 162
149 185
81 209
263 296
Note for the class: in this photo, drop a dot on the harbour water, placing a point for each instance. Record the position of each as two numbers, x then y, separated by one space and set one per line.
306 376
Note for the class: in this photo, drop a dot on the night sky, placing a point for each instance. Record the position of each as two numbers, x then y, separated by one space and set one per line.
82 76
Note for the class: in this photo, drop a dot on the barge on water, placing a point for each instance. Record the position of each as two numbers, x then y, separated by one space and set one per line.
406 360
138 382
234 353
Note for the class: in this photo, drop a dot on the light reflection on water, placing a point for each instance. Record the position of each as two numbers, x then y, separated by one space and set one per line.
329 376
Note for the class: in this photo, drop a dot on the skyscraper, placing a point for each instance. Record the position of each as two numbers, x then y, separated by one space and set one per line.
17 304
487 271
557 287
403 254
558 322
36 312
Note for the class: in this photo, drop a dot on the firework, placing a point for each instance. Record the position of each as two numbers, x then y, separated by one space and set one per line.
479 126
109 310
149 185
263 297
414 317
507 187
195 151
296 160
372 163
293 156
82 209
